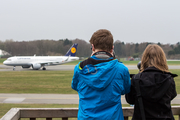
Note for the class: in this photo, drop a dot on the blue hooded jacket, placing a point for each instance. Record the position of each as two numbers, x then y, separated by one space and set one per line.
100 88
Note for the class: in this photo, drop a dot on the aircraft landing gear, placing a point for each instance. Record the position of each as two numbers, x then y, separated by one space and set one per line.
44 68
14 67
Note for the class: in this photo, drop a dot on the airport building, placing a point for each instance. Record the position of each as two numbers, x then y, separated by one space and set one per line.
3 53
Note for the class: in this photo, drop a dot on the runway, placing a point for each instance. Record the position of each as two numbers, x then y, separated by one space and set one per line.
53 99
65 67
48 68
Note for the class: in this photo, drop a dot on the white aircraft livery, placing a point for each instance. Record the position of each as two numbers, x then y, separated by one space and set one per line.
37 62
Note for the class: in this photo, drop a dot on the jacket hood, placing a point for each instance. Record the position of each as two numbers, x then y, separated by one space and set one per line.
98 76
155 83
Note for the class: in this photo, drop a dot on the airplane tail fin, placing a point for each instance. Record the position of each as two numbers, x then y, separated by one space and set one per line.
72 51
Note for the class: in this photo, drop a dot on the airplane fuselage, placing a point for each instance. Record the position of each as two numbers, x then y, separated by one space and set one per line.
38 61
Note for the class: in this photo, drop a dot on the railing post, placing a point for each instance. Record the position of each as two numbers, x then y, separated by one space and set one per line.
65 118
48 118
125 118
32 118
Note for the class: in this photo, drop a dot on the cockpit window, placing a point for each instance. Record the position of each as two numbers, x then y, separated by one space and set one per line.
8 59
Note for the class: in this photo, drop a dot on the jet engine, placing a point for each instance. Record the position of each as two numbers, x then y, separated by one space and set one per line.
36 66
26 66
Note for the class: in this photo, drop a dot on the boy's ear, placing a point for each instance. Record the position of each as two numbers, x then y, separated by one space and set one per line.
93 49
112 49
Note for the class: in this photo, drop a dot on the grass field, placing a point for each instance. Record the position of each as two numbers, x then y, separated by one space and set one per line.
2 60
46 81
36 82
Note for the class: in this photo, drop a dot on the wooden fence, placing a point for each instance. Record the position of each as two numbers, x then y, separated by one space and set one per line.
64 113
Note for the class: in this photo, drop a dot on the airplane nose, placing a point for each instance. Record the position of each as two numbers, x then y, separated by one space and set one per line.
5 62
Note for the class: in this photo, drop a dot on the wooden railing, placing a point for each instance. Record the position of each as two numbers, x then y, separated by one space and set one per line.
64 113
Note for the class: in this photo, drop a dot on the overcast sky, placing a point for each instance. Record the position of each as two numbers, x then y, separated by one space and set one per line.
128 20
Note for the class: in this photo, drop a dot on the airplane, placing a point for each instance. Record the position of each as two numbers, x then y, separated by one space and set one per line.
37 62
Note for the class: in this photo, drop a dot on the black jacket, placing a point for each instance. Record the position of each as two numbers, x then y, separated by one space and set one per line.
157 90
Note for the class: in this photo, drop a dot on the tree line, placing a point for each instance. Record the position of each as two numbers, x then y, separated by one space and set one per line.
60 47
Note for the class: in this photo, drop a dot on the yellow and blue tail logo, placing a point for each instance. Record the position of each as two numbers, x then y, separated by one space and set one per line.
72 51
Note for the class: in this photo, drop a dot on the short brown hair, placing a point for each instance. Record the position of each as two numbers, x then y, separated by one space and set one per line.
154 56
102 39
